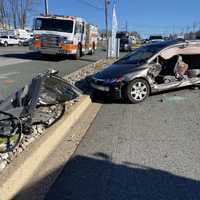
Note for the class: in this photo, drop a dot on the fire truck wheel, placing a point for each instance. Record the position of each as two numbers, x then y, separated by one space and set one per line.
78 53
91 52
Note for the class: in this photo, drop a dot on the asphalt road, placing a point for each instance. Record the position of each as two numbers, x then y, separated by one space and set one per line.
18 66
148 151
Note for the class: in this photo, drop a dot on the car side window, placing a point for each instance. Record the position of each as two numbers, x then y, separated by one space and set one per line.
77 27
4 37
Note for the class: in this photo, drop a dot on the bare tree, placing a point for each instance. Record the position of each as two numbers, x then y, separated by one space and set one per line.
24 9
2 13
13 7
16 12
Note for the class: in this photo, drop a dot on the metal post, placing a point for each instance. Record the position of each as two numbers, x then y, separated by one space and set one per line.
46 6
106 23
117 46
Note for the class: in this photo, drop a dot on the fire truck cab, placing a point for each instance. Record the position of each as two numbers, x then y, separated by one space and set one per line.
64 35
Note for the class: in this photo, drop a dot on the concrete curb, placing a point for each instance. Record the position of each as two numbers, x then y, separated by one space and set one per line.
17 175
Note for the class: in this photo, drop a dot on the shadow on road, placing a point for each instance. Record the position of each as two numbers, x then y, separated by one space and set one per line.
42 57
88 60
34 56
85 178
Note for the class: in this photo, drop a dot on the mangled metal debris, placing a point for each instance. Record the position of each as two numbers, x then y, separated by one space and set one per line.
42 102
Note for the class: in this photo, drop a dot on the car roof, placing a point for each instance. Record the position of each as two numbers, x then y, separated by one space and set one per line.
172 43
165 44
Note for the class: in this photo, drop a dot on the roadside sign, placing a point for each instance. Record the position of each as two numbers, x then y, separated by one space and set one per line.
112 47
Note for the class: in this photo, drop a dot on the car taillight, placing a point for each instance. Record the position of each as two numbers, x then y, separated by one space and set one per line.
115 80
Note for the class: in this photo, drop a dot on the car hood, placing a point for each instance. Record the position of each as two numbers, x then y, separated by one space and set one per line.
118 70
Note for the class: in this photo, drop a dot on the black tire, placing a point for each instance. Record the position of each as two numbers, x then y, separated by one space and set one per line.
5 44
91 52
20 44
137 90
93 48
78 53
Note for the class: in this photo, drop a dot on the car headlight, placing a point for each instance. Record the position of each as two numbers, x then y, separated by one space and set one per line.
68 42
65 40
115 80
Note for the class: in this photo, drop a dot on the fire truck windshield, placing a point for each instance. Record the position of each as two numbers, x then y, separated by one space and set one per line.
54 25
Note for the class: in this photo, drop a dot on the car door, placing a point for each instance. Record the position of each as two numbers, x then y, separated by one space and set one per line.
79 29
6 39
13 40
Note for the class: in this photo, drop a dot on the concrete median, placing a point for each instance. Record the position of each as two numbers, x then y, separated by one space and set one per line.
19 173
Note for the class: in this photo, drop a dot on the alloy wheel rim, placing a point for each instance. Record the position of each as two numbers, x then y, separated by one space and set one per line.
139 91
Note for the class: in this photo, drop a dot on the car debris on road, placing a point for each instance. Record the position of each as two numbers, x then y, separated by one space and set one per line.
42 102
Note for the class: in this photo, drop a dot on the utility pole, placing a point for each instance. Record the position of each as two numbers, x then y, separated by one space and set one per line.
106 23
126 26
46 6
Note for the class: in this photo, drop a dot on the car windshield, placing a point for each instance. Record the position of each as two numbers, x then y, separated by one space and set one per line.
140 55
54 25
159 37
122 35
124 41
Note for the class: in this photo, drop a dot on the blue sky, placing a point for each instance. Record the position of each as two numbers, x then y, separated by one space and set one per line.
145 16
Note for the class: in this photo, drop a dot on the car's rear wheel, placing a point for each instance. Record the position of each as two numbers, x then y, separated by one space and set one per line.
20 44
93 49
5 44
137 90
78 52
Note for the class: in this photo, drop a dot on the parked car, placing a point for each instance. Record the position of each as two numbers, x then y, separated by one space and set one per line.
152 68
125 44
26 42
9 40
126 41
156 38
19 33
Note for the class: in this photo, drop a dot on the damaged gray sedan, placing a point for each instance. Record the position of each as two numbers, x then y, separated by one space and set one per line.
150 69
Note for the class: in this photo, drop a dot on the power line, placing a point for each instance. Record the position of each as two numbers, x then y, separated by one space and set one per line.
90 4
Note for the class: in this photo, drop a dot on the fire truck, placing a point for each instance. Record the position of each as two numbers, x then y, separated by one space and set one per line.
69 35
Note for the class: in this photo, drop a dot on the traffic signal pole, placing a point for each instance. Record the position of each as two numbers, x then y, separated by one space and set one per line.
106 23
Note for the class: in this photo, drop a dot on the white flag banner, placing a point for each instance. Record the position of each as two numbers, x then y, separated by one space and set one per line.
114 33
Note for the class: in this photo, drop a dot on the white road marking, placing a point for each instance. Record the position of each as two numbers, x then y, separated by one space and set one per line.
10 61
5 76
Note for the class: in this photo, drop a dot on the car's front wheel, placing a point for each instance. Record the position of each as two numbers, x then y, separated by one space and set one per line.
5 44
137 90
